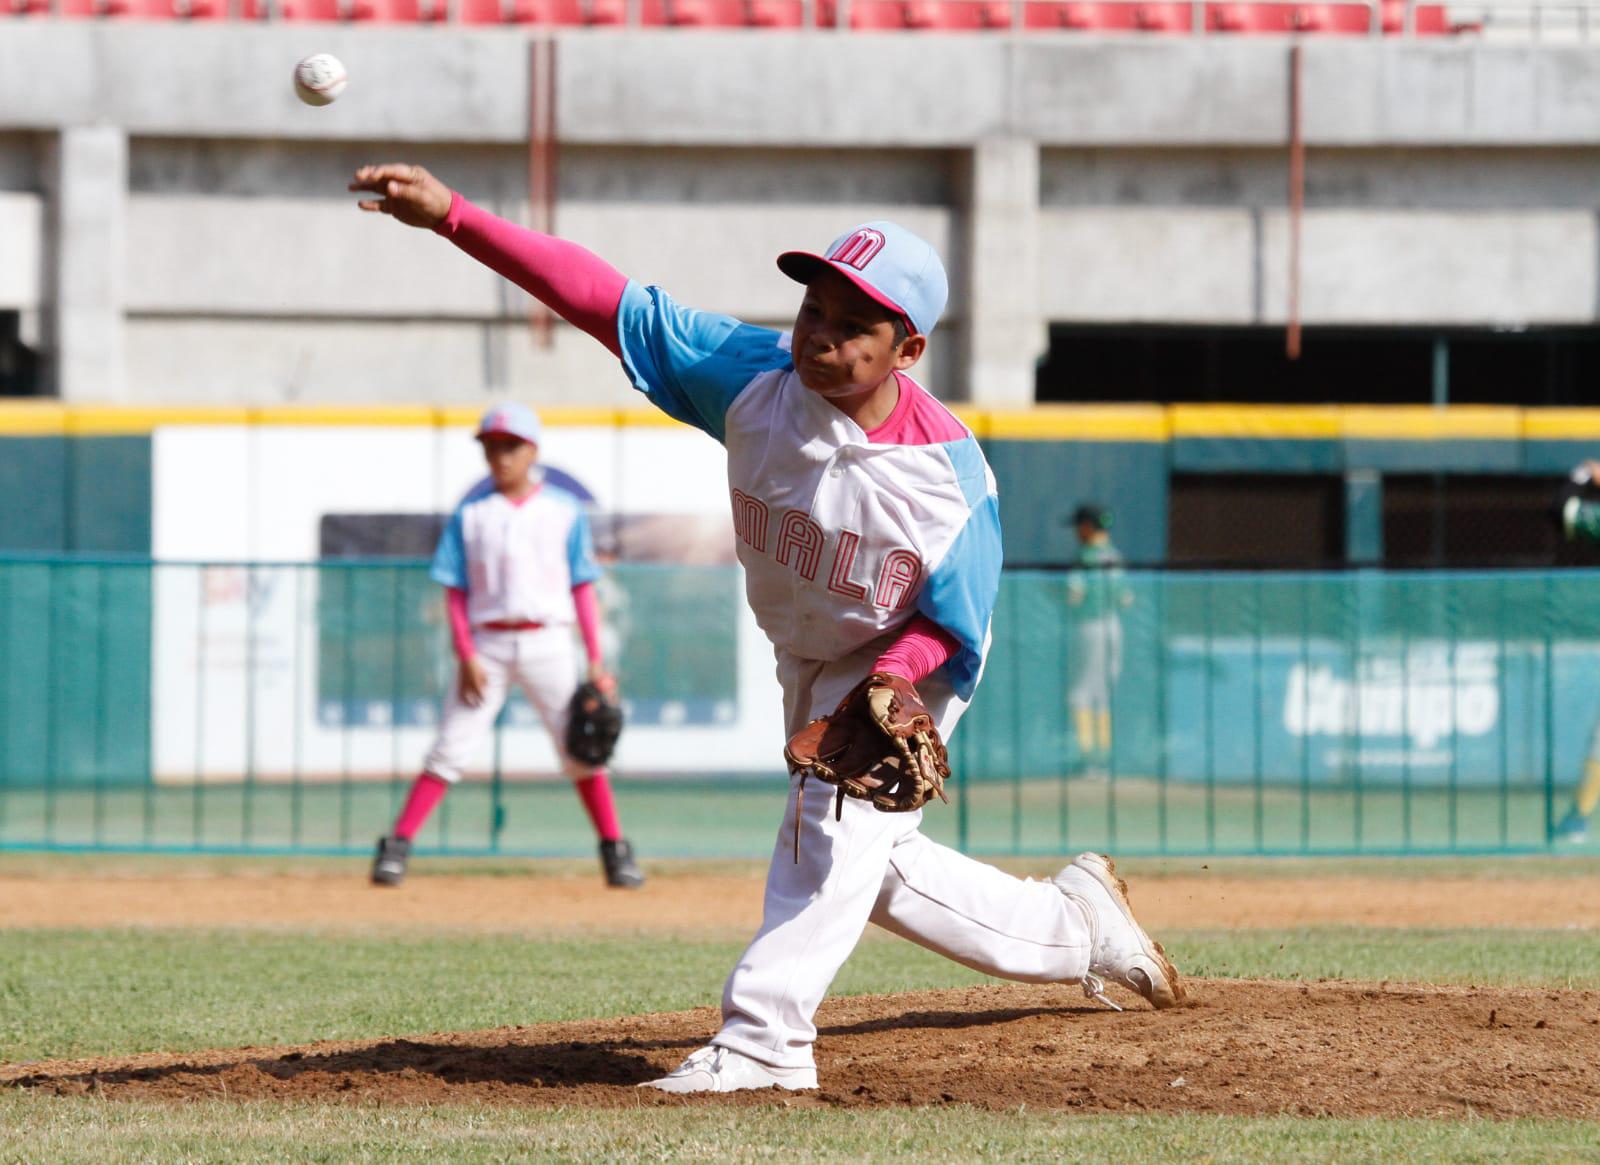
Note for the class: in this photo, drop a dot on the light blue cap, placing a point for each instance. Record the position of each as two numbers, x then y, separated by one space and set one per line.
513 419
889 263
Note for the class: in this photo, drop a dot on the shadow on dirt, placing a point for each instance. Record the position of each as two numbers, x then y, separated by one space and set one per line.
559 1064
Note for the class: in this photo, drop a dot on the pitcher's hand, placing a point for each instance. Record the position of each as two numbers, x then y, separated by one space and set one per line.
409 193
602 679
471 680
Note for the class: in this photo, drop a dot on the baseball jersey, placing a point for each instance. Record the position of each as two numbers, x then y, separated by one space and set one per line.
516 561
841 539
1100 585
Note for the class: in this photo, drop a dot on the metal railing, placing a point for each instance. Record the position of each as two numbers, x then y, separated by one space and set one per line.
286 707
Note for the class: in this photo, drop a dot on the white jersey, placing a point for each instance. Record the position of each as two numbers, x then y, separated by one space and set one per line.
516 561
841 539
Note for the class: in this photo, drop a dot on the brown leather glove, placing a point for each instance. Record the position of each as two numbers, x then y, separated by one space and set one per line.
880 745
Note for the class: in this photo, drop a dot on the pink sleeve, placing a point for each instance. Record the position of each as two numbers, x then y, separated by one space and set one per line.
455 601
922 647
587 608
576 284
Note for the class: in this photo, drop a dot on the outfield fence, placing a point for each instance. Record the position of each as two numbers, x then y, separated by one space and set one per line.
202 707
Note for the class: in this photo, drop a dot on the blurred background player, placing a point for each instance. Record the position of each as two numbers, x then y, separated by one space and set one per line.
867 523
1578 508
1097 592
518 566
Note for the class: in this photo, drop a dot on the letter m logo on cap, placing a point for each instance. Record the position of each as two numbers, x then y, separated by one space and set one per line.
858 249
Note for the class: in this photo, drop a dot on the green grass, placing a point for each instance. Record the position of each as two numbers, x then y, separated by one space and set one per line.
70 993
53 1130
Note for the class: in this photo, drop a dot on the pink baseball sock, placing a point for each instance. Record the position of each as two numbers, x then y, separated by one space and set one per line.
595 791
426 793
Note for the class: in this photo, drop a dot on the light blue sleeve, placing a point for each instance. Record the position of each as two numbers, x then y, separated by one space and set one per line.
691 364
580 550
450 556
960 593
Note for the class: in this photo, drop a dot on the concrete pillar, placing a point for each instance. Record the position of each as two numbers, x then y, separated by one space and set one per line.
87 175
1005 329
1363 517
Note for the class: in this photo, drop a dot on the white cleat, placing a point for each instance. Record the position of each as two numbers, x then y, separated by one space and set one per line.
1120 950
714 1069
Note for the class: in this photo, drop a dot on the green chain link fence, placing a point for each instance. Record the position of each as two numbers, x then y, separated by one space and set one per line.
181 707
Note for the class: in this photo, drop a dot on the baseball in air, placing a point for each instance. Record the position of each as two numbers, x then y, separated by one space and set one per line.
319 79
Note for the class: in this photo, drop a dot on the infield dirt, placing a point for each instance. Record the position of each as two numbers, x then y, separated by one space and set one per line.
1242 1047
731 902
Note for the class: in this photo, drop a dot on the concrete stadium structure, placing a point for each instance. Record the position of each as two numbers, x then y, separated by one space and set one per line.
176 227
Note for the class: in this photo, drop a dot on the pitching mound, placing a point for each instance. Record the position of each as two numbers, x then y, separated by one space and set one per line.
1249 1047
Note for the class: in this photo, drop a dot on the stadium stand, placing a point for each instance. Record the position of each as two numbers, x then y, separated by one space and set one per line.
1351 18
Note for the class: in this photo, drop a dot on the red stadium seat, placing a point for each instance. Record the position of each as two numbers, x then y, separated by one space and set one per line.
1171 17
1099 17
604 12
1427 19
996 13
24 8
365 11
517 12
294 10
1228 17
1335 19
877 14
402 11
143 9
705 13
957 15
774 13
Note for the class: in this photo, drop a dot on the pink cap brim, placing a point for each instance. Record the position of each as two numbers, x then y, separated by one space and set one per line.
802 267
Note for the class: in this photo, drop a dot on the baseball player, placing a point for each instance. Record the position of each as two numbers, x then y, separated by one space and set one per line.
1097 592
1574 827
1579 515
867 524
517 564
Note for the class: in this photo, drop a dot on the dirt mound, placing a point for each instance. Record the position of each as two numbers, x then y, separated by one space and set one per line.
1253 1047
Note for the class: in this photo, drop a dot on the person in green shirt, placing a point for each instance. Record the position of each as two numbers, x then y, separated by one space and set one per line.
1097 591
1579 515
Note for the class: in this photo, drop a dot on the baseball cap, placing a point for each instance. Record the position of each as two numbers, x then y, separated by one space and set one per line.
511 418
1091 514
889 263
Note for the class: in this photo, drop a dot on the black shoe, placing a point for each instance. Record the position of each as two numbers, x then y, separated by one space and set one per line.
621 869
389 866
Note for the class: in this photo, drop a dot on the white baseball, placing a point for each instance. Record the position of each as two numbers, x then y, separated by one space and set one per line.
319 79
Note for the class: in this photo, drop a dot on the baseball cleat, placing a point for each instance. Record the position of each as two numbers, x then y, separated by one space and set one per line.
616 858
1574 828
714 1069
389 865
1120 950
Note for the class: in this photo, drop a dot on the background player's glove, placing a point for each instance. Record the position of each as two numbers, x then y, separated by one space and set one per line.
880 744
594 721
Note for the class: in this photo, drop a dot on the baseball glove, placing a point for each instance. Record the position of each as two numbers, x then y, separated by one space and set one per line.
880 745
593 724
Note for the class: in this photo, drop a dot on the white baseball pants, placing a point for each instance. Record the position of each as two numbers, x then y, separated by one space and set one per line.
871 866
543 663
